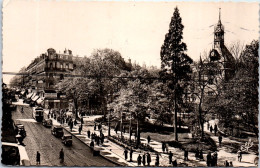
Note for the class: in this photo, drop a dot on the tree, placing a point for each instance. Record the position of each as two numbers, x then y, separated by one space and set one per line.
238 102
175 63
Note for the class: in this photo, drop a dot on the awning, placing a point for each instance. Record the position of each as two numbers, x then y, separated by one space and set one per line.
29 95
35 98
33 95
40 100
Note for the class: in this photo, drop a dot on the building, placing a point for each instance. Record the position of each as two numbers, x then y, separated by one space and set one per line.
221 63
44 73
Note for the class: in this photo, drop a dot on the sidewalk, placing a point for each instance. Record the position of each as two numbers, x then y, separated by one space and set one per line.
223 154
115 152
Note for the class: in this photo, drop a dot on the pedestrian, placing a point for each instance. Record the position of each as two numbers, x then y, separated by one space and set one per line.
139 160
157 161
102 138
38 158
209 159
81 120
186 153
201 155
211 129
98 140
239 155
197 154
215 129
148 139
170 157
174 163
208 125
95 126
71 126
148 158
75 122
163 147
219 140
61 156
214 159
88 133
131 154
99 126
166 147
92 144
226 164
125 153
144 159
80 128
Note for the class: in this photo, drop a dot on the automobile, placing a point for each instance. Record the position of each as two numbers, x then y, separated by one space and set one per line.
57 131
67 139
19 129
47 122
14 154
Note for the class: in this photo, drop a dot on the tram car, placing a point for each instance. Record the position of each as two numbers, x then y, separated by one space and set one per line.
38 114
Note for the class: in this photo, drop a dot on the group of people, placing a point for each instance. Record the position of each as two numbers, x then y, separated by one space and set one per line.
38 157
210 128
199 154
146 159
212 159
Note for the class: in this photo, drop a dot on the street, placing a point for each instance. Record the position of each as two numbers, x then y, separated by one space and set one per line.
40 139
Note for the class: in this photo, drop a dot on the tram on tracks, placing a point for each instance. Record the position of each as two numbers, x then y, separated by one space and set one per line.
37 114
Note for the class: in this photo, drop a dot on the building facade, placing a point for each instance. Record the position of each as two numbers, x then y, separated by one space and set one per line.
44 73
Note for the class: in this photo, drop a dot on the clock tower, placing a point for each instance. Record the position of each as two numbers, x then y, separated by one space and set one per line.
219 33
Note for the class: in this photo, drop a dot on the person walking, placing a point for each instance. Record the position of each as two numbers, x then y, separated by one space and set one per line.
144 159
163 147
125 153
211 129
166 147
80 128
61 156
219 140
239 155
71 126
139 160
38 158
170 157
215 129
208 125
186 154
92 144
209 159
201 155
157 161
88 133
148 139
226 164
174 163
131 154
148 158
197 154
95 126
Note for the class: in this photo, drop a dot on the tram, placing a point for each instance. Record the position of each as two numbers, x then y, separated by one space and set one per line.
37 114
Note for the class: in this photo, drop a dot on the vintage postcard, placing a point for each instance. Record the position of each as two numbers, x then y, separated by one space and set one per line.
130 83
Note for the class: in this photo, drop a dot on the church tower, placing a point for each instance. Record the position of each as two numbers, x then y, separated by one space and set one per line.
219 33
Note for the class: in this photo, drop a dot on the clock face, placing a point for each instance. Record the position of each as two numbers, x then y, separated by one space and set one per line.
212 53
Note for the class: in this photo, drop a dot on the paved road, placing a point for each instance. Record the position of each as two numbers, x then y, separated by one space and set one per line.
40 139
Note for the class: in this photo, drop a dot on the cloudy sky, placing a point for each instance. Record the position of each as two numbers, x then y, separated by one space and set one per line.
135 29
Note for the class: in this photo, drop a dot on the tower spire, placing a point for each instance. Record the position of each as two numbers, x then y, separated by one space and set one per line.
219 14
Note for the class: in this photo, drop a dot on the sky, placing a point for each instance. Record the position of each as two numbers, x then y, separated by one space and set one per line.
135 29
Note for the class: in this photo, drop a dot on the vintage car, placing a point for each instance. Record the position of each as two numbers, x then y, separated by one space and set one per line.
47 122
19 128
67 139
57 131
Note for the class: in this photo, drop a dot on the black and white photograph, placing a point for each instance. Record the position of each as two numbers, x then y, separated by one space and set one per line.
130 83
